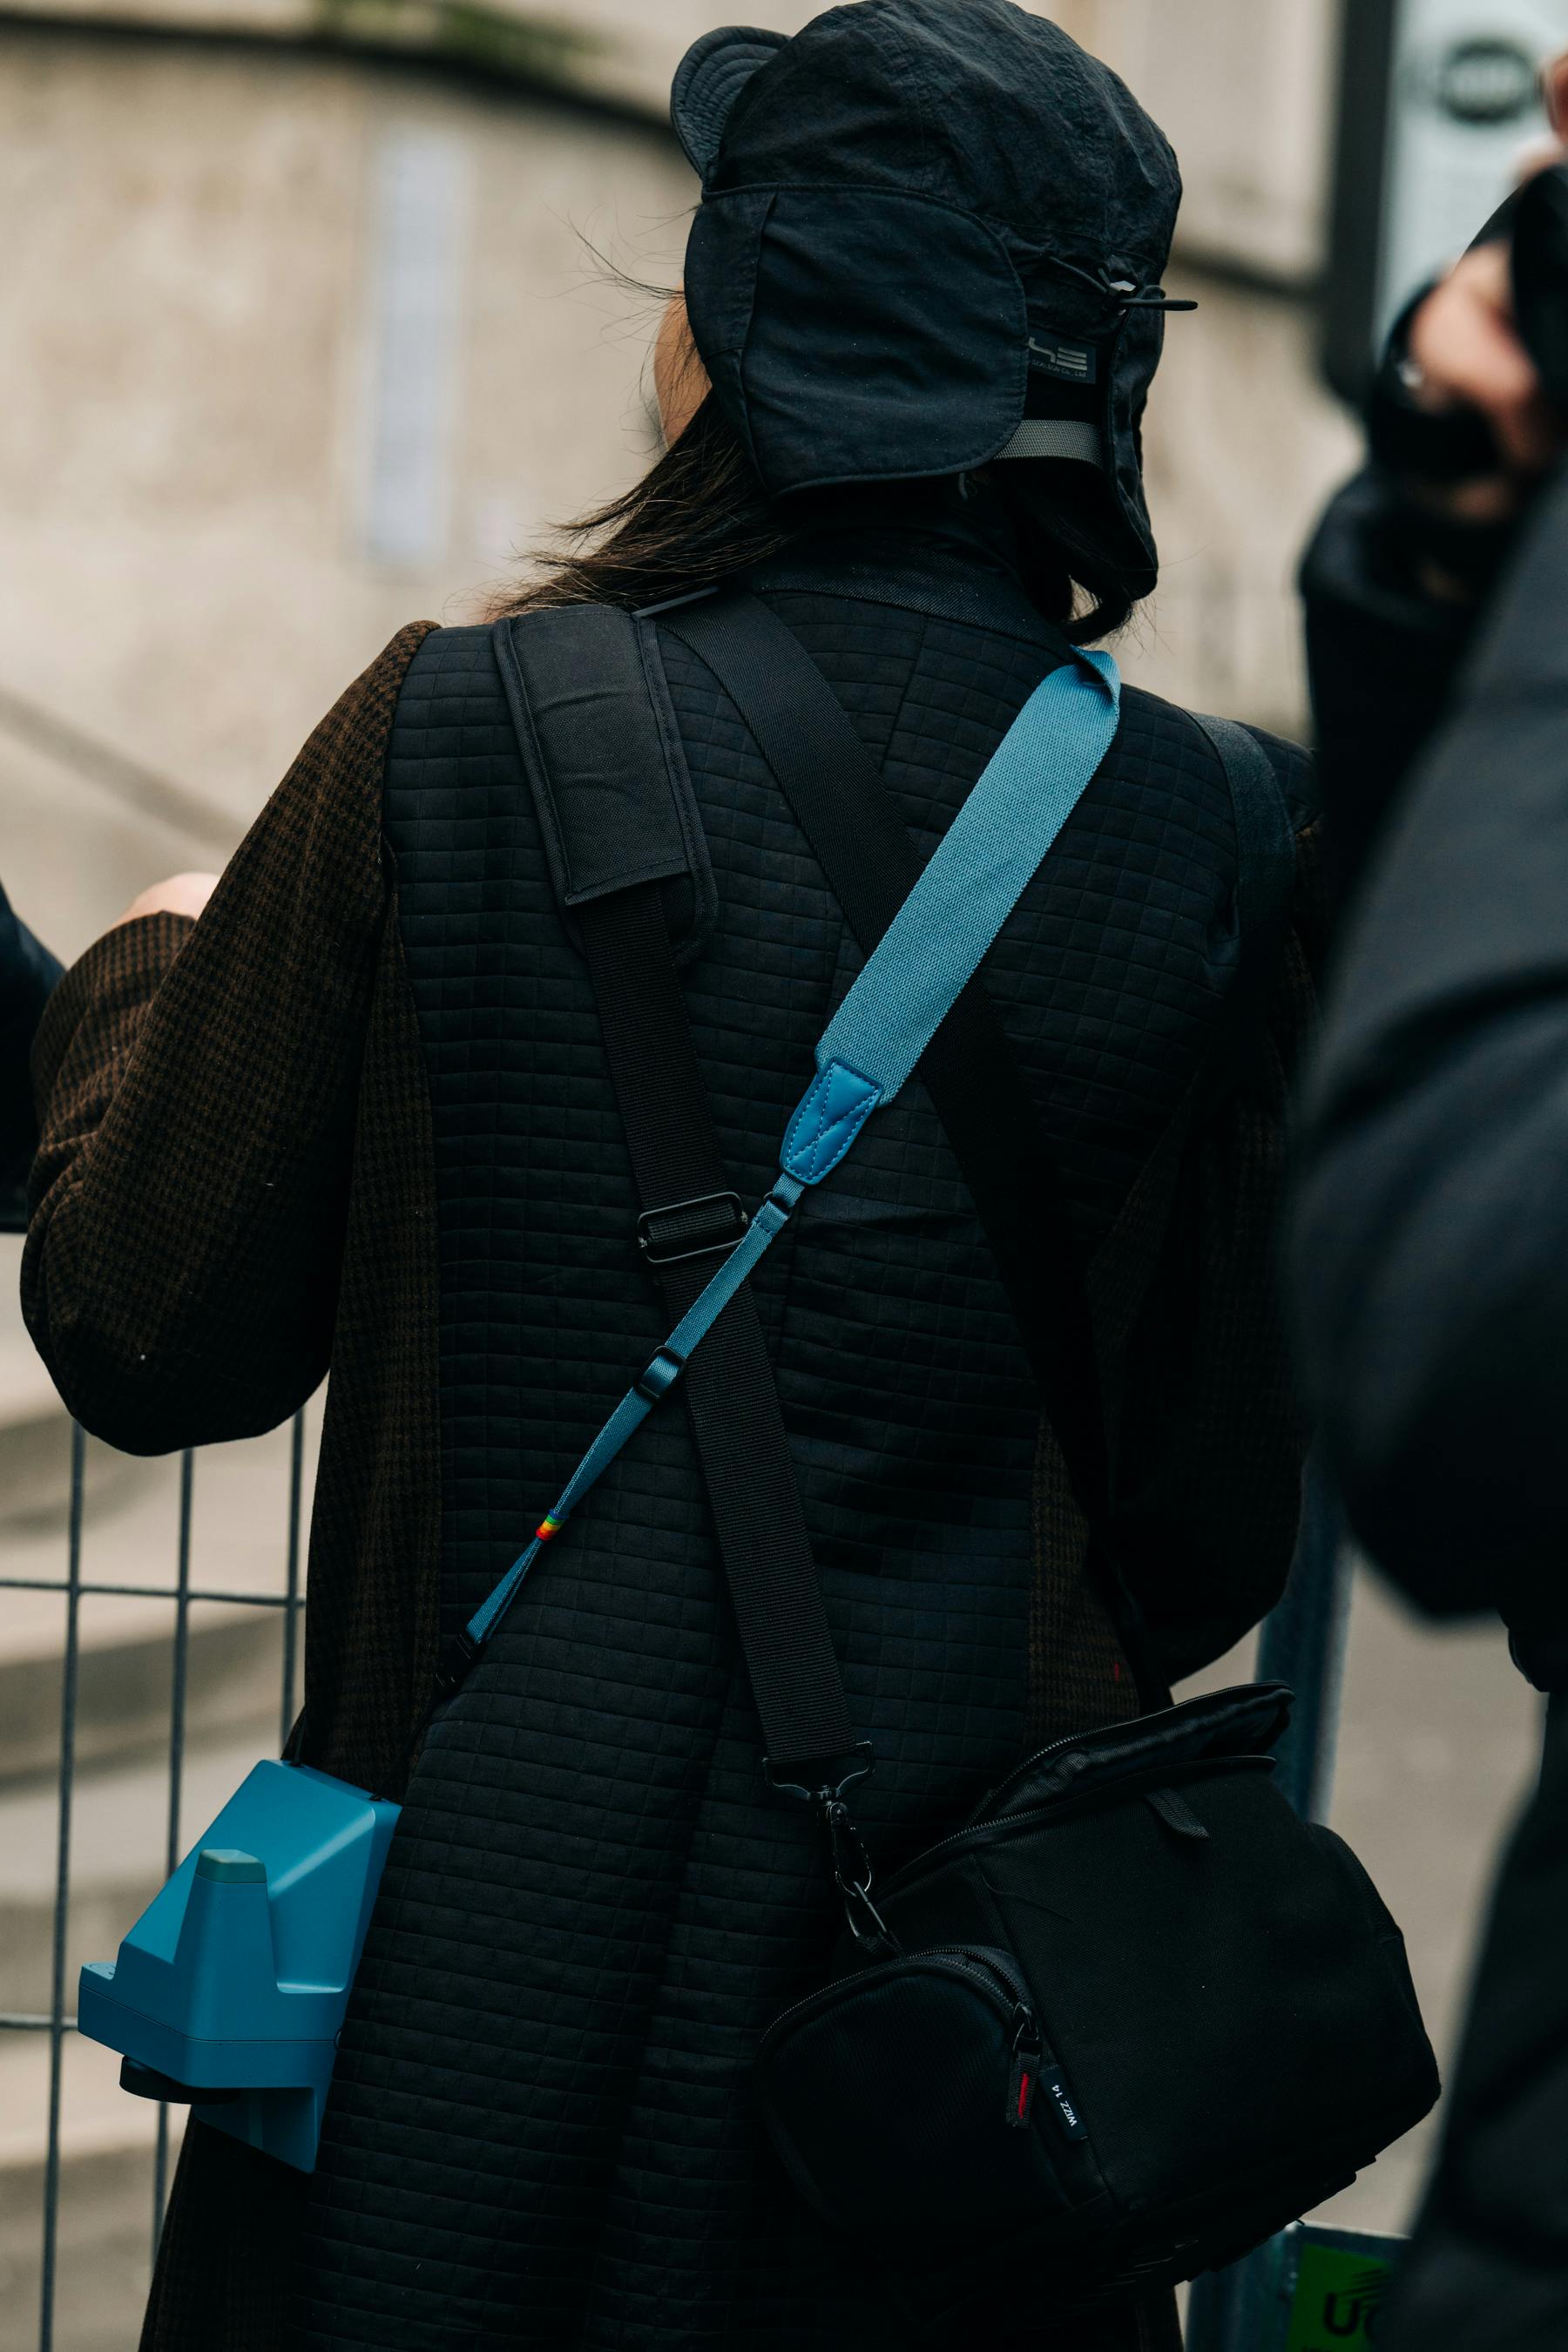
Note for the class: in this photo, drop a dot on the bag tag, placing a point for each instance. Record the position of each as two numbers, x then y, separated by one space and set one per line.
229 1991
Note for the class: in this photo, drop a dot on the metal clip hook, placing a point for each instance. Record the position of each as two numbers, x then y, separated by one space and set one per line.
851 1867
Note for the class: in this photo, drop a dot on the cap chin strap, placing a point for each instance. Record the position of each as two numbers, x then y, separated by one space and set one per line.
1057 436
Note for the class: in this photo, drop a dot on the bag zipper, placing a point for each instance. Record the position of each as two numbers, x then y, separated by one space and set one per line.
1073 1739
1007 1825
962 1837
1042 1755
1028 2057
991 1821
1027 2053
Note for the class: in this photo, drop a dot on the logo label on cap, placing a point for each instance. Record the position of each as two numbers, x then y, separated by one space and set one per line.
1069 363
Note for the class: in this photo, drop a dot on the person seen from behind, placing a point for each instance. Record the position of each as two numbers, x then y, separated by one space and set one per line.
363 1115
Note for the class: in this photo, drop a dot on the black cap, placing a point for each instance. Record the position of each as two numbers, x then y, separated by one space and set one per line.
930 234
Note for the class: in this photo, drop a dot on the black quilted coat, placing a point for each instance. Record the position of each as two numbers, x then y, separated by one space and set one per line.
540 2134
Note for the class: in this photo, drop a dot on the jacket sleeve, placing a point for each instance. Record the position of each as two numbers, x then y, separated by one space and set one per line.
1383 658
197 1087
1431 1234
28 973
1213 1434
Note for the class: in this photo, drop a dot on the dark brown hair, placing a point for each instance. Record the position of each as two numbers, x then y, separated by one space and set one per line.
700 515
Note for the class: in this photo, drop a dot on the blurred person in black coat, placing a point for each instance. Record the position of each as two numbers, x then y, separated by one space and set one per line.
28 972
1431 1239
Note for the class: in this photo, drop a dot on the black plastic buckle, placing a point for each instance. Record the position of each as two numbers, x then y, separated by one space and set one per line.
1154 298
452 1666
667 1252
146 2083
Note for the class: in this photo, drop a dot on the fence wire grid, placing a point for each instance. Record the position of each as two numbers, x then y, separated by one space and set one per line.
57 2022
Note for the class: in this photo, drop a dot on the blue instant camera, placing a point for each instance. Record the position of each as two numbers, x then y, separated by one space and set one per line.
229 1990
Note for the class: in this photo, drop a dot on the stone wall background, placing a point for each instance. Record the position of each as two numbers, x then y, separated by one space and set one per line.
203 358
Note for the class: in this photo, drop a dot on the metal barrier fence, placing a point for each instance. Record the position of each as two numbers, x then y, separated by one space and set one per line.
74 1587
1246 2309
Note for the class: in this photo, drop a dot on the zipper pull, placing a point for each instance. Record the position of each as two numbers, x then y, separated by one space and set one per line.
1025 2071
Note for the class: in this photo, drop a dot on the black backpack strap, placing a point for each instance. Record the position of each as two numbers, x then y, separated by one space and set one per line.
618 803
587 698
1265 888
604 764
969 1070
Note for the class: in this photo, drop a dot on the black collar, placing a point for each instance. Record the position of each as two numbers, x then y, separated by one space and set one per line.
955 558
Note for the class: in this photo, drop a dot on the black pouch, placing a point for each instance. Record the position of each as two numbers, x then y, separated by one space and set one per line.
1133 2018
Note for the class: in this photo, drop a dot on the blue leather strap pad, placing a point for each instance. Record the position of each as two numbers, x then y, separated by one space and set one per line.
832 1112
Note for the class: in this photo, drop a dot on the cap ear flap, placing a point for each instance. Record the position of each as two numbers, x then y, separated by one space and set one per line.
709 80
720 282
1130 366
878 340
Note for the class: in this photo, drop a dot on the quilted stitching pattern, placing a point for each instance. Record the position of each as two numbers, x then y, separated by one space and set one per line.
539 2133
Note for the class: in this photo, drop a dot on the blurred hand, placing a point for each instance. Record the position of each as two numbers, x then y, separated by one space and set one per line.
1464 353
1554 86
182 894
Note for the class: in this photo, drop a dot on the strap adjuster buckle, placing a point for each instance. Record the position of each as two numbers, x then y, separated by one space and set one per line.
453 1663
678 1231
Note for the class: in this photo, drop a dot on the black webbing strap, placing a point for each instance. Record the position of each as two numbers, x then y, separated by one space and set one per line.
1264 886
728 1382
971 1073
602 756
863 847
969 1070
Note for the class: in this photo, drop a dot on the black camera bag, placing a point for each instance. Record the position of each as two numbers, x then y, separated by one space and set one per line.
1132 2018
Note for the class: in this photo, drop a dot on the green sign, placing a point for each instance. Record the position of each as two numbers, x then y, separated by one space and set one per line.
1340 2292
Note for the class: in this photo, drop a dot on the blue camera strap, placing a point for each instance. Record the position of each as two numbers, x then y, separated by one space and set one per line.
933 948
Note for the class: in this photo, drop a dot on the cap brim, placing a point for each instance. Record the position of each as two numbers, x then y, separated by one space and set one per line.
709 80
